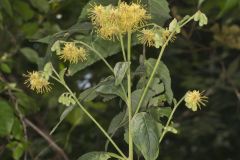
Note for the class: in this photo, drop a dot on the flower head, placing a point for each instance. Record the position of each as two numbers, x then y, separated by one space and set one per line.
194 99
131 16
104 18
37 82
147 37
111 21
72 53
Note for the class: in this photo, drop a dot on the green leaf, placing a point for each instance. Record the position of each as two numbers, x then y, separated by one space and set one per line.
66 99
6 118
229 4
163 74
120 71
136 95
95 156
30 54
17 149
159 10
75 117
117 122
99 45
88 94
108 87
47 70
145 133
7 7
5 68
41 5
23 9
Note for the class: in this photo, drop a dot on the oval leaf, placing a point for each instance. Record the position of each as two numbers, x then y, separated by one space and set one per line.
145 135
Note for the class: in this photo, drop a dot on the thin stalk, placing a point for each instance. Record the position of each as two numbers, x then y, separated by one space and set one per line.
170 118
98 54
122 46
153 73
130 141
89 115
105 61
156 66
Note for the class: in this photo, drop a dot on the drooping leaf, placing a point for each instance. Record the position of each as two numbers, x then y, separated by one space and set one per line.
6 118
41 5
7 7
30 54
117 122
95 156
163 73
108 87
120 70
145 133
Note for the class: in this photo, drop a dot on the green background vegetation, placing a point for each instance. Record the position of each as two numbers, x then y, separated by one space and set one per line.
205 59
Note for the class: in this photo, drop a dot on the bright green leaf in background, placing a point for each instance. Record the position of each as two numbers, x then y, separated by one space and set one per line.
6 118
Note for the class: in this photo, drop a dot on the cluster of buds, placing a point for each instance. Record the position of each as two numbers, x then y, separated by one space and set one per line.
157 35
111 21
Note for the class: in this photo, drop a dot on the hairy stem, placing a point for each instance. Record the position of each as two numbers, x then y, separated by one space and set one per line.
105 61
122 46
89 115
170 118
156 65
130 141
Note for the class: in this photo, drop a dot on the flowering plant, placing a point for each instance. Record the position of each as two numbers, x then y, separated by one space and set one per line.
145 92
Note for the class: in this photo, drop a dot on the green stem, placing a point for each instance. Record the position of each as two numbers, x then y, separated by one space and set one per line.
153 73
156 66
105 61
98 54
89 115
170 118
122 46
130 141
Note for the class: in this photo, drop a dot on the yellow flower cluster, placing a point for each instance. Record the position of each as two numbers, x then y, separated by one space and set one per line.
37 82
194 99
147 37
72 53
112 21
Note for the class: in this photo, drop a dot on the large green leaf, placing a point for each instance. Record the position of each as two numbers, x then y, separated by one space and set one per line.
120 71
6 118
159 10
95 156
108 87
7 6
104 47
145 133
30 54
41 5
163 74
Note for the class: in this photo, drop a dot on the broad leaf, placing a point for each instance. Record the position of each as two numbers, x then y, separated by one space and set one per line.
163 74
159 10
95 156
120 71
145 133
108 87
30 54
6 118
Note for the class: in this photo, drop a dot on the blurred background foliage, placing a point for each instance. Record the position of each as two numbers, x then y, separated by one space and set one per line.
205 59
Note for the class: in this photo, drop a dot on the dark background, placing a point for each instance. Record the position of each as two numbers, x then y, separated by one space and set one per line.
201 58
